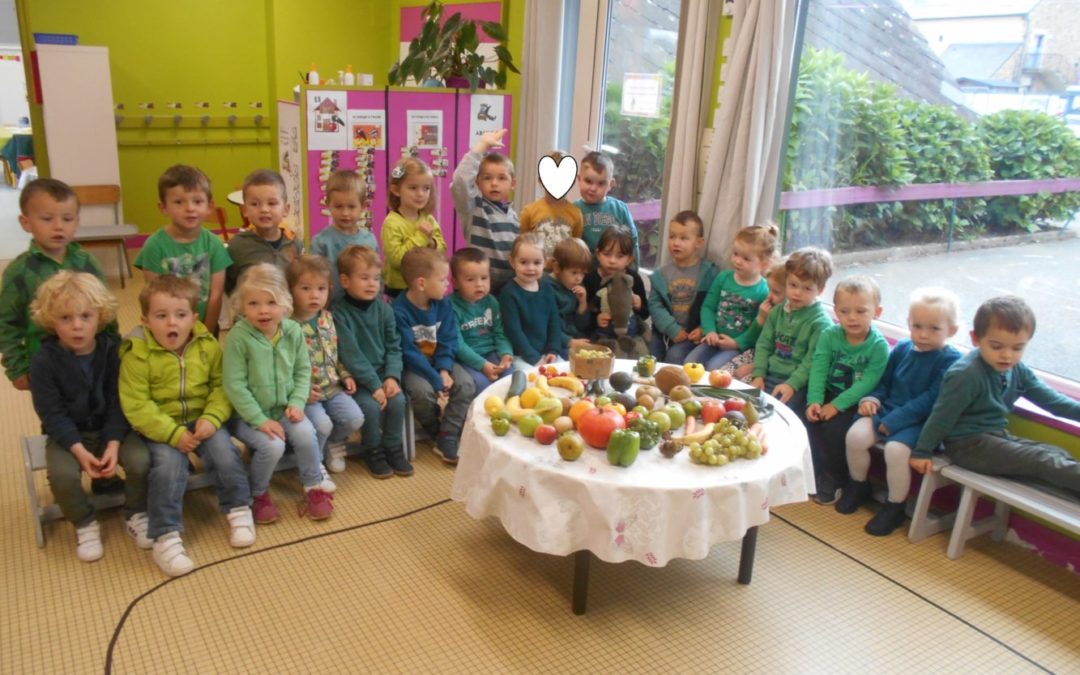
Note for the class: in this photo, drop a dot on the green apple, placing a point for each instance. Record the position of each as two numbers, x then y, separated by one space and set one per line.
527 424
676 413
661 418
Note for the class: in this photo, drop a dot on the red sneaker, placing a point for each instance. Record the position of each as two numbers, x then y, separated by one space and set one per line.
317 504
264 510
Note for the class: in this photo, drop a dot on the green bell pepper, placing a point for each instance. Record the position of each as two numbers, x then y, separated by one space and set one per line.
649 431
622 447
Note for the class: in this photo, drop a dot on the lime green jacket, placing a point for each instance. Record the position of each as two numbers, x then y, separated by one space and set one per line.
262 378
161 391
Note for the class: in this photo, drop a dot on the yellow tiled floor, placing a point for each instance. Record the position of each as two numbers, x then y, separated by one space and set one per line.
400 579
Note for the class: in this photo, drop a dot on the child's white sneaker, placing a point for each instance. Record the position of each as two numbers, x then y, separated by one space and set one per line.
88 538
170 556
328 486
136 527
335 457
241 526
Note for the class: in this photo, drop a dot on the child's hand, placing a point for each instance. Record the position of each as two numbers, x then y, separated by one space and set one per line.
109 459
87 462
204 429
188 442
681 336
294 414
22 382
757 382
380 397
271 428
695 335
491 371
726 342
744 370
783 391
314 395
489 140
391 387
813 412
548 358
350 385
712 339
637 303
447 381
828 411
426 226
921 465
868 408
603 319
506 363
884 430
763 311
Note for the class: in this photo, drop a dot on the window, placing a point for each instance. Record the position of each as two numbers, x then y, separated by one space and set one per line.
936 93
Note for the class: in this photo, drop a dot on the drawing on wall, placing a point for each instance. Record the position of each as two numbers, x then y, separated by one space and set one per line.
425 128
326 121
367 129
485 114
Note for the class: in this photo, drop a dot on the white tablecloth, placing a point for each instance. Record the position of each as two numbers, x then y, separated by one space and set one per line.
653 511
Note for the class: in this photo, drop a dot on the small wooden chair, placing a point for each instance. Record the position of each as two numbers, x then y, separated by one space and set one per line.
112 235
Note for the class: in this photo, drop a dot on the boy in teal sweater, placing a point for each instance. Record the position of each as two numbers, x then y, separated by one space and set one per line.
848 362
370 348
786 346
978 394
596 178
484 351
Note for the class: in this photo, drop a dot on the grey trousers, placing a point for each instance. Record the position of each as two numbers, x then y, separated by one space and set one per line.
425 402
999 453
65 476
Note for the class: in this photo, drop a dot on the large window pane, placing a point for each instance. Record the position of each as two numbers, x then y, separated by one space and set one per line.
932 93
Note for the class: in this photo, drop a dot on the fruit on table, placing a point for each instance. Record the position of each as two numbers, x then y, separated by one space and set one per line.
568 382
514 409
518 381
731 404
620 380
602 401
737 419
541 383
649 390
545 434
493 404
692 407
695 371
751 414
570 446
592 353
625 400
596 426
676 413
648 430
563 424
500 425
646 365
579 408
679 392
548 409
622 447
727 443
646 401
617 407
530 396
698 436
670 448
640 410
669 377
720 379
662 419
527 424
712 410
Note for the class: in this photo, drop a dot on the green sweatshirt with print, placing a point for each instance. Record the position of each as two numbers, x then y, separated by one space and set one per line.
481 329
844 373
787 342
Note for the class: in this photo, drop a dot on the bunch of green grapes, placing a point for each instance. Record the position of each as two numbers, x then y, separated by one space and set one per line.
728 443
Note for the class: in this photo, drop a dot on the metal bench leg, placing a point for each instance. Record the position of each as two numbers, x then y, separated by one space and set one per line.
923 524
962 526
122 263
409 433
32 495
1001 521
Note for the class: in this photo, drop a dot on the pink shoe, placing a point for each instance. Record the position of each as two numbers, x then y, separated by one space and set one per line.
264 510
317 504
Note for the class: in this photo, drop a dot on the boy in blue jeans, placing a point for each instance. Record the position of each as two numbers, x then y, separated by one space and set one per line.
484 350
977 395
429 344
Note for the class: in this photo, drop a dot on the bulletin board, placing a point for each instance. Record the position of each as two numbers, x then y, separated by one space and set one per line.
369 130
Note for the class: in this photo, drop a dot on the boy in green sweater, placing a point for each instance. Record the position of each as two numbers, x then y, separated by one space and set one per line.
848 362
977 395
370 348
786 346
484 350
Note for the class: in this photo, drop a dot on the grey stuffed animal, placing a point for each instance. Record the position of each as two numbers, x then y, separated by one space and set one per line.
620 302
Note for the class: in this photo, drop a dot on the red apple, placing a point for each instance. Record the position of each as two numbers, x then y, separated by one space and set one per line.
596 424
712 411
734 404
720 379
546 434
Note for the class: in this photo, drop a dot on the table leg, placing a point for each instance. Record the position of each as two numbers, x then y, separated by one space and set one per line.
581 581
746 559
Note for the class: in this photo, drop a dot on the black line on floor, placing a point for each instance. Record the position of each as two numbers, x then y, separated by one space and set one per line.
320 535
912 591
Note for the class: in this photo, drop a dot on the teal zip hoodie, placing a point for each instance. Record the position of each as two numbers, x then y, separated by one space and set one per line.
787 343
261 378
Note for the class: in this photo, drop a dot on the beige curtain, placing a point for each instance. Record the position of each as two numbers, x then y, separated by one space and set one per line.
537 110
699 25
740 182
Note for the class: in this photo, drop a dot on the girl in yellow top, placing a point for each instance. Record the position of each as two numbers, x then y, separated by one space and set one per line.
410 224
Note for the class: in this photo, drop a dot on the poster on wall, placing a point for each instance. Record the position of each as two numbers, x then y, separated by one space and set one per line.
485 114
290 161
425 128
327 129
367 129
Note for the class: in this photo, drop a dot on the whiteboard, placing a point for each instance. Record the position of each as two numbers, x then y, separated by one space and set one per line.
80 127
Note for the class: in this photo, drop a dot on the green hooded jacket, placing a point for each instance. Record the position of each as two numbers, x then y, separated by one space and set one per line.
262 378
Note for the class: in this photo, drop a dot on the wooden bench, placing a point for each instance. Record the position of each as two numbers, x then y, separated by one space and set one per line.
1053 509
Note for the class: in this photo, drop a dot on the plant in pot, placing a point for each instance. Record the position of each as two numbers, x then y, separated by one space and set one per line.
447 54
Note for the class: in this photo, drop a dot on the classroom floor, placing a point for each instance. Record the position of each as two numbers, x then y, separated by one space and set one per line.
401 579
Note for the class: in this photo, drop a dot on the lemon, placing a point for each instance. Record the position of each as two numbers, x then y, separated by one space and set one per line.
493 404
530 396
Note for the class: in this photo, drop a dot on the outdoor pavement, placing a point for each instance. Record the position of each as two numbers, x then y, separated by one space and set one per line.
1046 275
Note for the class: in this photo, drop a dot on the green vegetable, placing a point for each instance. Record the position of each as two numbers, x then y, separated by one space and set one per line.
646 365
518 381
649 431
622 447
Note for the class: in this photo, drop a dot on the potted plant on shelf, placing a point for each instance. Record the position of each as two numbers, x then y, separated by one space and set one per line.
446 54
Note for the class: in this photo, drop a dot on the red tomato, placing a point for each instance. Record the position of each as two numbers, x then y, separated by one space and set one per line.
734 404
712 411
597 424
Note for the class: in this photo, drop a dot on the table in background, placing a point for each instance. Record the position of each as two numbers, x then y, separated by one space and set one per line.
15 143
656 510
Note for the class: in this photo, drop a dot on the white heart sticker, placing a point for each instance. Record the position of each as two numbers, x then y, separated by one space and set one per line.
557 179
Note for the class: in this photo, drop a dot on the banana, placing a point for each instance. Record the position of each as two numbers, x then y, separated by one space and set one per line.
513 406
541 383
700 436
568 382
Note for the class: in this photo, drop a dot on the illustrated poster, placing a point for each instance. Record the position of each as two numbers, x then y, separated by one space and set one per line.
485 114
367 129
326 112
425 128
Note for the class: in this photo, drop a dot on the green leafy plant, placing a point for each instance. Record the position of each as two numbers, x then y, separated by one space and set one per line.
447 51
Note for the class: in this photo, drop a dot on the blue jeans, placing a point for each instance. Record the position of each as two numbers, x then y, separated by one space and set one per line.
667 351
169 475
334 419
481 380
267 450
382 427
712 357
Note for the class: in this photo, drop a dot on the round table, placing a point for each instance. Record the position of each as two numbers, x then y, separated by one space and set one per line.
654 511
